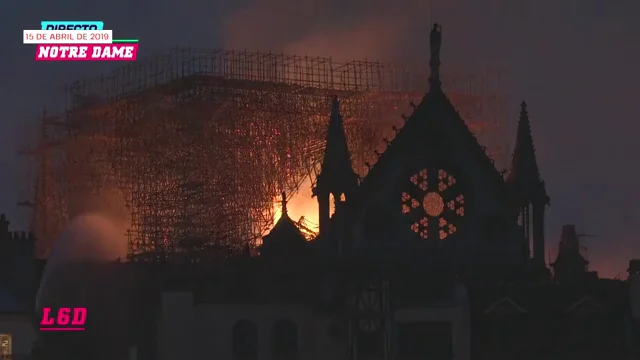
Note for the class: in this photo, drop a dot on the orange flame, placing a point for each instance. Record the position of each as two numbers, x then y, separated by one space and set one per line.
300 205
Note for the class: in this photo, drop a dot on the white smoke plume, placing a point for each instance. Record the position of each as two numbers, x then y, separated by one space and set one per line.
90 238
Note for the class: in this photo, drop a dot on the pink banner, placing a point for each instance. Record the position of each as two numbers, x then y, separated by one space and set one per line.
86 52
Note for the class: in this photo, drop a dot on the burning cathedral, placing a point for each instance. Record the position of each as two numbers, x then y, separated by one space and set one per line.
435 254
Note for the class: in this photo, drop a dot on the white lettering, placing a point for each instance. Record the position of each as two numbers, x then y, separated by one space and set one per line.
129 52
96 51
63 51
118 52
43 51
73 52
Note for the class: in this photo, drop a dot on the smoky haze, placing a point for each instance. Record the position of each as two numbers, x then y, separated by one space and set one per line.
573 61
81 272
91 238
558 56
344 30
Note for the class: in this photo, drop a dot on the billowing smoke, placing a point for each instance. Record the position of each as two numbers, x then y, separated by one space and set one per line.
88 208
82 272
390 31
344 30
90 238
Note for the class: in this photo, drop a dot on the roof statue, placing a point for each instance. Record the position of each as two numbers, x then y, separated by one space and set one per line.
435 42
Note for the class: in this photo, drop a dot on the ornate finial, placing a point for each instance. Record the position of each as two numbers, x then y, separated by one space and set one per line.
335 106
435 42
284 204
523 109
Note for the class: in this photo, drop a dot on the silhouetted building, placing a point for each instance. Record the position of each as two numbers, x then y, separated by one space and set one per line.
17 261
427 257
570 267
18 283
549 321
392 270
634 304
529 189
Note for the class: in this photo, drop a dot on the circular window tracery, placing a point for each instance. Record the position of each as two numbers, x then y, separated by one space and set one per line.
435 203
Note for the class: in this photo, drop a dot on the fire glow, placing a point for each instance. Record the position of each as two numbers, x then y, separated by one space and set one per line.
301 207
87 52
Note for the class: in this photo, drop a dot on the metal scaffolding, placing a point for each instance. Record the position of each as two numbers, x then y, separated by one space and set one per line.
192 147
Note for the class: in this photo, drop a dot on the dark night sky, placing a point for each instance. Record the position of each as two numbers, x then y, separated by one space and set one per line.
574 61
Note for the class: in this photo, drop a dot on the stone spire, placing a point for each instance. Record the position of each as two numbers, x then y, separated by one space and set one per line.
336 176
531 195
525 175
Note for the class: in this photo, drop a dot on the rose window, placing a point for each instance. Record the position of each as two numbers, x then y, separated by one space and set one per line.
434 203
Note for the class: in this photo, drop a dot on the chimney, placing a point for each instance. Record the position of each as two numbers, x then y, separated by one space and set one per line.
569 238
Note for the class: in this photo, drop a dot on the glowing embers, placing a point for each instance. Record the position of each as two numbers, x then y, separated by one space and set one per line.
420 227
434 203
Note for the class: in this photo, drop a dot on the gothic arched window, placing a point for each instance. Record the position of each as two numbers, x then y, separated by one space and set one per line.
245 340
435 203
284 341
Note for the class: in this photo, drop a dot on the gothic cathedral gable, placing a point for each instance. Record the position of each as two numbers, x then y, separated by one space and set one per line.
434 185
